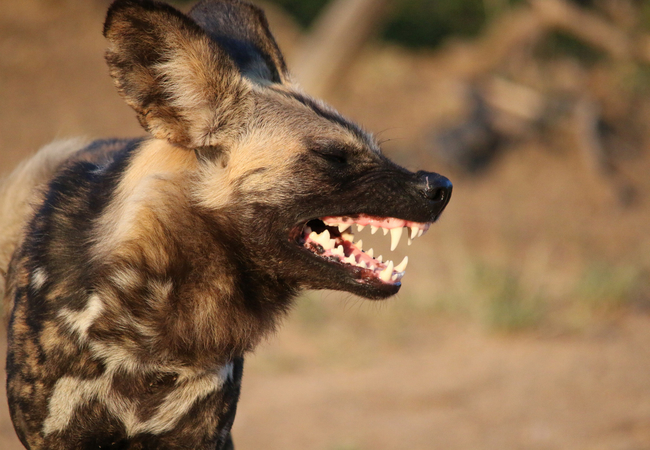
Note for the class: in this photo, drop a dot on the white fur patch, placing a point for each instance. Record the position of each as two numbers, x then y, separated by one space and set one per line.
226 371
39 277
71 393
126 278
80 321
177 404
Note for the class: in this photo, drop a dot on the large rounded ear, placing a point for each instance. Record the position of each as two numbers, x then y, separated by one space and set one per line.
243 31
184 86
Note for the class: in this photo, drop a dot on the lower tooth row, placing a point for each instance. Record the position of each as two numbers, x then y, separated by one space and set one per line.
387 272
390 272
329 244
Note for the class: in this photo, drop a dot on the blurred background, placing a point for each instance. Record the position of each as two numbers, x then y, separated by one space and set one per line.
523 321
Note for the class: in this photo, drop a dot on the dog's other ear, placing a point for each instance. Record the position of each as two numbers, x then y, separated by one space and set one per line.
184 86
243 31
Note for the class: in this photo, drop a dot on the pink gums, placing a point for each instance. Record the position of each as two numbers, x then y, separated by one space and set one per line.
380 222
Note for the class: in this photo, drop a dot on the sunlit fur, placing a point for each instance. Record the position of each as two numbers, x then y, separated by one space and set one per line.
140 271
20 191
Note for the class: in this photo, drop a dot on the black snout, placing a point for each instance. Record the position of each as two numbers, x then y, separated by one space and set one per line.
435 188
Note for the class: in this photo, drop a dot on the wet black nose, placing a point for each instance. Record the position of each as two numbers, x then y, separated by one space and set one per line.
435 187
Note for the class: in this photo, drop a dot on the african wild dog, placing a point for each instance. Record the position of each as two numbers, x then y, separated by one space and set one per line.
143 270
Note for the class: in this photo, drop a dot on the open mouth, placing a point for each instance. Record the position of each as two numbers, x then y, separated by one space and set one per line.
332 238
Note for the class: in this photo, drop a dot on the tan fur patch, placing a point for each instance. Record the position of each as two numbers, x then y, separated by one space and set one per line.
152 186
265 154
192 89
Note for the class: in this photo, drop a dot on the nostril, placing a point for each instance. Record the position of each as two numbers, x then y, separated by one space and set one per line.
435 187
438 195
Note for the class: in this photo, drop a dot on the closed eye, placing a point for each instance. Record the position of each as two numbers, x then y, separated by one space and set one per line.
332 155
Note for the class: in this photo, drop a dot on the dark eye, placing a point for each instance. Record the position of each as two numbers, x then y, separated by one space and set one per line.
336 159
332 155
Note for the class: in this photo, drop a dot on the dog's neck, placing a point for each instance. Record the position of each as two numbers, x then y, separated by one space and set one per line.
202 308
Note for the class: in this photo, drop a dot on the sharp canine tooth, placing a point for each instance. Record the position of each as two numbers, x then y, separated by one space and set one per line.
385 230
414 231
373 229
379 258
410 241
421 232
360 227
401 267
370 253
344 226
387 272
359 244
395 235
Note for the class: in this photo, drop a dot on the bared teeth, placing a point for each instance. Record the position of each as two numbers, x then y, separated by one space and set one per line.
314 237
401 267
395 235
325 240
338 251
387 272
335 245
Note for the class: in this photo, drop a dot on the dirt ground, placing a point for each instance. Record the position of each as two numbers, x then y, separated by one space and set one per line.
453 361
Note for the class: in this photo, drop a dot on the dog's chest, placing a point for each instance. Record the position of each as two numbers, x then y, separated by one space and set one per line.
143 403
115 406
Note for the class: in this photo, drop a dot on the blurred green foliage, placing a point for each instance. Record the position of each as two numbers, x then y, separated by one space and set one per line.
427 23
560 43
304 11
414 23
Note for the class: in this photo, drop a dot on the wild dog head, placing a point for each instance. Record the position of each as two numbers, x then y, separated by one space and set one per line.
283 176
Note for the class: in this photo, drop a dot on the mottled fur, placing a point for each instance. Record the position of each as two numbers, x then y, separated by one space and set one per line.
143 270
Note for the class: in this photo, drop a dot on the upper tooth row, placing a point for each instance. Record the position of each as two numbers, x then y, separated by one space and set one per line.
395 233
